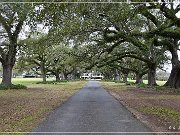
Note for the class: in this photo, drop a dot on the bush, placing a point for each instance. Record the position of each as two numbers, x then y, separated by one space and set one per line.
13 86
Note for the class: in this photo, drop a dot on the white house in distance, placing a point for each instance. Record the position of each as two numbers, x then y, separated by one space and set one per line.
92 76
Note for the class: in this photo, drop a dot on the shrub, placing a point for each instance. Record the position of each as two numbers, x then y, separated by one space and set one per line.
13 86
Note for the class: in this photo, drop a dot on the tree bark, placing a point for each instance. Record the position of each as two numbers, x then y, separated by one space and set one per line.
138 78
7 75
125 76
65 76
8 61
57 76
174 78
116 75
43 71
152 74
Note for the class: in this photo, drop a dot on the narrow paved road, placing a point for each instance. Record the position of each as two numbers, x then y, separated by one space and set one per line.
92 109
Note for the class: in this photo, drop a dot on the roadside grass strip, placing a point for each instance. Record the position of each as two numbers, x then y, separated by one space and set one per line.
164 113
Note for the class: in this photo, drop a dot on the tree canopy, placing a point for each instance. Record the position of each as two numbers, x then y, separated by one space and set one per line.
116 37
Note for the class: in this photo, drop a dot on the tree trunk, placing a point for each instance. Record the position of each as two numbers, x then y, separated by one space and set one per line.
43 71
152 75
119 72
174 78
7 75
138 78
65 77
125 76
44 77
8 62
57 76
116 75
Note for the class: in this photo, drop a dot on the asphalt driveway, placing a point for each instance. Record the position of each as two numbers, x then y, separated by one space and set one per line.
93 110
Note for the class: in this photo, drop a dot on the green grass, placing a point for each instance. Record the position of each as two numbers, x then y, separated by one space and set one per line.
112 83
164 113
160 83
146 82
28 80
115 86
162 97
12 86
31 82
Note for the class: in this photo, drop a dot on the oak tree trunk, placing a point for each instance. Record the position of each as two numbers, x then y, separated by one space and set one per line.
152 75
57 76
174 78
125 76
65 75
8 62
7 74
43 71
138 78
116 75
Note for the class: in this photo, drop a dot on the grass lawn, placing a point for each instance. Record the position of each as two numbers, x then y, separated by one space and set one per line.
24 109
28 81
146 82
159 109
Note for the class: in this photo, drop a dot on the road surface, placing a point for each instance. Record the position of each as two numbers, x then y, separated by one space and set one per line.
94 110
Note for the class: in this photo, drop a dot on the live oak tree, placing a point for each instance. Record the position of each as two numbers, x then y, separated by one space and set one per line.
135 66
37 51
62 62
47 55
130 30
166 32
12 19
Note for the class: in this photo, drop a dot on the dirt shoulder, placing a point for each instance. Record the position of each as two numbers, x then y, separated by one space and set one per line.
22 110
158 110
